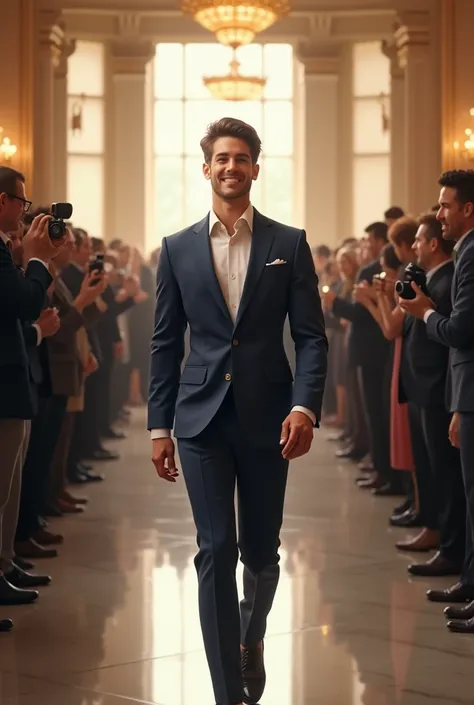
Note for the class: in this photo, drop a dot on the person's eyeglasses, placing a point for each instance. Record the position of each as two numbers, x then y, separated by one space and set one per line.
26 204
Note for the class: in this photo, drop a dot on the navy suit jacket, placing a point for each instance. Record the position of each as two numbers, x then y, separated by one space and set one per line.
248 354
457 330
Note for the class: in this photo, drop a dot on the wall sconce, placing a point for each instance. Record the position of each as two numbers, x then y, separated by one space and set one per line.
7 149
467 148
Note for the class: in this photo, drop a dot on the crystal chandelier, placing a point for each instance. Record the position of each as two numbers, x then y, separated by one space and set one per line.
234 86
236 22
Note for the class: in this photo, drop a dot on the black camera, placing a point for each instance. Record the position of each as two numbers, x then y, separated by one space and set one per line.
97 265
57 226
412 273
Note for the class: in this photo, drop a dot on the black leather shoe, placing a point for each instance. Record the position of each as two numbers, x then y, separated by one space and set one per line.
253 673
52 510
91 476
23 564
23 580
457 593
436 567
84 467
349 454
407 506
465 612
10 595
409 520
112 435
462 627
6 625
104 454
388 490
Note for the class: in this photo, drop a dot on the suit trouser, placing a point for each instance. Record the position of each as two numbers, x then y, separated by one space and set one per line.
86 437
375 398
439 478
466 442
14 436
213 463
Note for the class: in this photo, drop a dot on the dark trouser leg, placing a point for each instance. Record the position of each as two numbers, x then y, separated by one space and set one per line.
466 441
378 421
60 457
209 469
449 493
104 397
425 477
87 438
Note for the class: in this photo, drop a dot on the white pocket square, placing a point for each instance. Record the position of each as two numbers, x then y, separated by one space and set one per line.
275 261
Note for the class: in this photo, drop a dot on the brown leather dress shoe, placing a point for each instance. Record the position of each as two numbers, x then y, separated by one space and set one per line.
427 540
465 612
31 549
46 538
68 497
457 593
68 508
437 567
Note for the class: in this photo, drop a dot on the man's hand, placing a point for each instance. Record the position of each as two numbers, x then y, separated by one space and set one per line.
49 322
296 435
91 365
419 305
454 430
93 285
119 350
38 244
163 459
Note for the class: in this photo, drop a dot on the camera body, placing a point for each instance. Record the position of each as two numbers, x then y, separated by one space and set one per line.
97 265
413 273
56 226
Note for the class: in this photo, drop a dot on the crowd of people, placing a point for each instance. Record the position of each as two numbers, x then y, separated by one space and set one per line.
399 307
75 325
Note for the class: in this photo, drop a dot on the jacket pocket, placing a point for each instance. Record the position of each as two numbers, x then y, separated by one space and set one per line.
193 375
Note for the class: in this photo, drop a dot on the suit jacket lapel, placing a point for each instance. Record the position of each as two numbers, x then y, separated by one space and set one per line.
205 266
262 241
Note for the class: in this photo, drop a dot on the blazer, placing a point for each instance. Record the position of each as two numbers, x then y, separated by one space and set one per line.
457 330
248 355
424 362
367 345
21 300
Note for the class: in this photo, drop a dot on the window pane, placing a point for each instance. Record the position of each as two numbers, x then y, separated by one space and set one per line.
250 58
204 60
169 127
86 69
86 192
371 69
90 140
198 115
197 191
278 70
169 71
256 195
371 186
278 128
278 188
249 111
169 195
369 137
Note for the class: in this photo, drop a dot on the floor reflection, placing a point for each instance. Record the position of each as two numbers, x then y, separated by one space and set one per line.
120 623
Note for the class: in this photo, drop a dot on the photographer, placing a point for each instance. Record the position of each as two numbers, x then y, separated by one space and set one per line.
21 299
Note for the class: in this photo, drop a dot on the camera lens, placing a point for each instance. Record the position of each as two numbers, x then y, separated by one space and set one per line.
56 230
399 286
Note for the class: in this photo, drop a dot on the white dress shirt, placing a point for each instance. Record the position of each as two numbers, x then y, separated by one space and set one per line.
456 249
230 256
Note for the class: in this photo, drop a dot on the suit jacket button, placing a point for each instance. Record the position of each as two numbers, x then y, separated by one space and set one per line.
228 377
235 341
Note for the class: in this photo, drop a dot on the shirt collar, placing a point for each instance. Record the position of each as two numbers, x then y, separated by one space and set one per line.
432 272
459 242
4 237
246 216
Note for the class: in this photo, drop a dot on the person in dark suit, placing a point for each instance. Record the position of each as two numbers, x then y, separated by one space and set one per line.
370 352
423 378
456 331
21 299
238 417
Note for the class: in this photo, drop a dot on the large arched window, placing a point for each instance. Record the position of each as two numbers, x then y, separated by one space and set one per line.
183 109
86 145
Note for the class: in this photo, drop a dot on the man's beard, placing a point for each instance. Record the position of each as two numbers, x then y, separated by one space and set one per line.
232 196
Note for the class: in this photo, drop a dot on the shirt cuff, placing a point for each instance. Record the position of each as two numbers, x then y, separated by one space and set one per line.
428 314
39 334
156 433
36 259
306 411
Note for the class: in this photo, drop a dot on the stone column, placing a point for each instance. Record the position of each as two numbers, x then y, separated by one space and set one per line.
422 110
316 142
50 39
132 149
60 123
398 195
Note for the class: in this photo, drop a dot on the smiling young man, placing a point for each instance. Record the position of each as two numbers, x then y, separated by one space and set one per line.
456 331
238 417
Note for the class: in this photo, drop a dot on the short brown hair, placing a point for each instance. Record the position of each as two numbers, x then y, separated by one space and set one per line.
231 127
403 231
8 179
435 231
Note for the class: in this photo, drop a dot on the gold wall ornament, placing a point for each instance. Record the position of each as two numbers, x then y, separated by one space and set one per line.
235 86
236 22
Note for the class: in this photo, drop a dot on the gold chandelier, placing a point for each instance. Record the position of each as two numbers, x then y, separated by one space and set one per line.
234 86
236 22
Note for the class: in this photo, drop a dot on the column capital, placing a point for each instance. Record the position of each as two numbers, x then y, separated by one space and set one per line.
51 34
412 38
67 49
131 56
319 59
389 49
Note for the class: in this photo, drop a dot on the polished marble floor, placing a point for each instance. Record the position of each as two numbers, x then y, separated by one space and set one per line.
119 625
